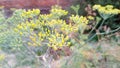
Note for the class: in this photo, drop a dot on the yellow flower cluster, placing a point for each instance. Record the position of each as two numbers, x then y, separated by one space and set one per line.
50 28
79 19
90 17
45 17
55 13
68 28
43 35
53 23
36 39
80 22
58 40
58 11
27 26
108 9
62 26
31 13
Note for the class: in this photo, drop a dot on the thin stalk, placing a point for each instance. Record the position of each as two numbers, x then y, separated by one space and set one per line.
30 51
93 29
103 21
92 38
87 41
100 34
33 54
103 33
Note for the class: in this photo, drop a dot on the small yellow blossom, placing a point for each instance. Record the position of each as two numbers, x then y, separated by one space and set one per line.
90 17
30 13
58 11
36 11
21 33
109 6
57 41
34 44
96 7
16 30
29 43
79 19
19 27
2 57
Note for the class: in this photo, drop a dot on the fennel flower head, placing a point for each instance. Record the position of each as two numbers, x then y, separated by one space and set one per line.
108 9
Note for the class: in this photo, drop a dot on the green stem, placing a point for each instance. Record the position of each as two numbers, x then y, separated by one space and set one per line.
33 54
103 21
92 38
93 28
103 33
